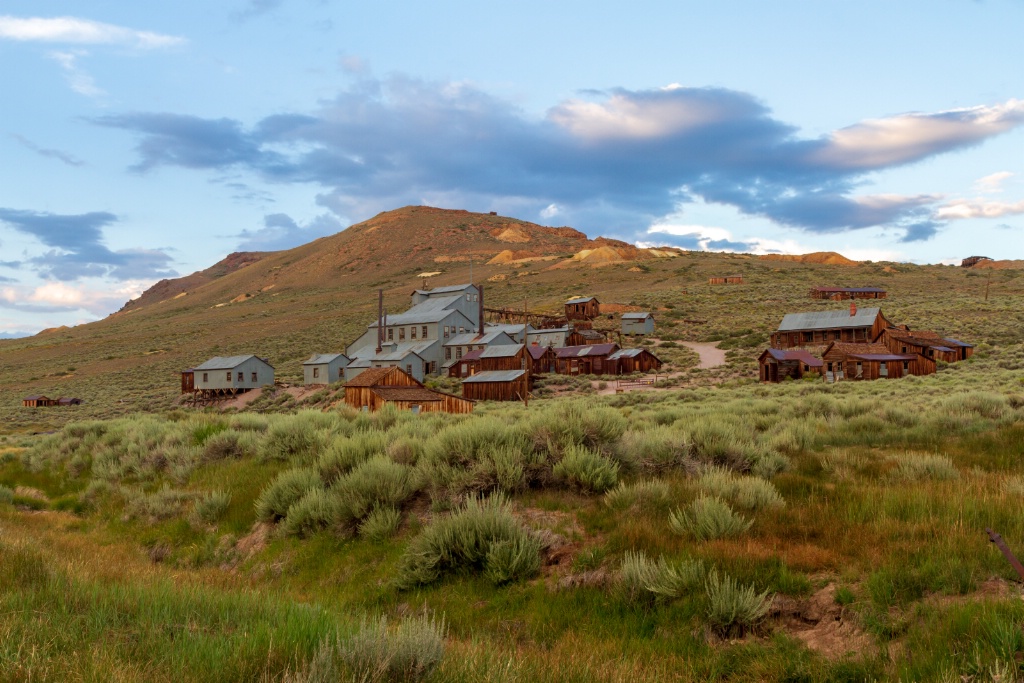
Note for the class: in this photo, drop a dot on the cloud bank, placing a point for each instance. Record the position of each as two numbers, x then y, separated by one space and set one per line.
76 31
613 161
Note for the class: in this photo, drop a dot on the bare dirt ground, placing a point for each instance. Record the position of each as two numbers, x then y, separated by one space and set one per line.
710 355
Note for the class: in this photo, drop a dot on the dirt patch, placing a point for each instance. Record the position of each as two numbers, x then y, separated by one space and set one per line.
249 545
242 400
710 355
820 623
31 493
989 589
513 234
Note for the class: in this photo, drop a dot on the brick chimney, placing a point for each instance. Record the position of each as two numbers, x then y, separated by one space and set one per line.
853 308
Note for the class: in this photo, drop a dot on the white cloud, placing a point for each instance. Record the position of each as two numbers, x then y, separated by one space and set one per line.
992 183
908 137
80 81
57 294
978 208
73 30
624 117
550 211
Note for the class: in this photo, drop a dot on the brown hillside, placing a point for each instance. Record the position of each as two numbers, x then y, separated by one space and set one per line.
168 289
999 265
829 258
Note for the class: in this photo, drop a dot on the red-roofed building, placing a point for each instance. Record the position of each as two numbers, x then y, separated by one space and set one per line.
779 364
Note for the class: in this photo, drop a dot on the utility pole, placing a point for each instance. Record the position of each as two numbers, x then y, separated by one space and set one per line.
526 352
988 281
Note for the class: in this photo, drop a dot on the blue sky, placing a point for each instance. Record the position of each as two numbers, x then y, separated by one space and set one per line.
147 140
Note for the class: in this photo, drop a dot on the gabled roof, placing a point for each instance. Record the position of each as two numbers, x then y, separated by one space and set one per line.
389 393
640 315
501 351
859 349
509 328
474 338
35 397
550 330
629 353
829 320
444 290
800 355
494 376
373 376
432 310
580 300
228 362
324 358
538 351
883 356
588 350
925 338
855 290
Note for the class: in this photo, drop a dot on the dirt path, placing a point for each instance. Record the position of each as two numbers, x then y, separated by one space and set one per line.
710 355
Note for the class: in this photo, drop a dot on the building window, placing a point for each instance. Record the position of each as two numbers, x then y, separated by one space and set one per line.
341 372
206 377
254 380
408 369
391 334
836 335
462 330
425 332
469 297
904 349
229 375
808 336
447 352
412 332
883 369
241 376
401 333
458 352
475 298
445 331
316 372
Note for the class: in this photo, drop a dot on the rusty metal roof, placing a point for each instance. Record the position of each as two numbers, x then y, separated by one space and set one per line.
419 394
371 377
588 350
580 300
795 355
494 376
537 351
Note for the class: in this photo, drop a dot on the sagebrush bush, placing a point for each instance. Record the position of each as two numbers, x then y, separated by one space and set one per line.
477 457
228 444
211 506
641 577
407 654
378 482
286 489
296 438
577 423
750 493
512 559
380 524
157 506
315 510
655 450
585 469
732 607
708 518
922 467
6 495
652 491
462 541
345 453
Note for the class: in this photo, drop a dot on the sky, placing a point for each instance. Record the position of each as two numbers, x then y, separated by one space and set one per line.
142 141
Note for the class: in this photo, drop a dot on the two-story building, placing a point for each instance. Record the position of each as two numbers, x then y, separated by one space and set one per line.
818 328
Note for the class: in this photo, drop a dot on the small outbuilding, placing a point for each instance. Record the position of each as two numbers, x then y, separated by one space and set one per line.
926 343
69 401
842 293
591 359
851 361
638 323
779 364
468 365
582 308
726 280
497 385
38 401
543 359
626 361
324 368
375 388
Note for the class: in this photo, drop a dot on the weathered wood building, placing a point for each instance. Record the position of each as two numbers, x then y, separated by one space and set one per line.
860 361
626 361
842 293
591 359
726 280
554 336
497 385
543 359
324 368
375 388
38 401
582 308
585 336
972 261
458 346
230 375
776 365
818 328
926 343
638 323
466 366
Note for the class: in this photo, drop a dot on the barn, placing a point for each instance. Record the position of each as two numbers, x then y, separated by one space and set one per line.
857 361
324 368
778 364
626 361
821 327
637 323
841 293
582 308
590 359
926 343
497 385
375 388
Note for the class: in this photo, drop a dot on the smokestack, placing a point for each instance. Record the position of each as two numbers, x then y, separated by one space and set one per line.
380 318
481 311
853 308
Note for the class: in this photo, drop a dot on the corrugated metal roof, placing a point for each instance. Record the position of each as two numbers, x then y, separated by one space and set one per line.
580 300
641 315
537 351
419 394
430 311
625 353
828 320
324 358
402 350
883 356
508 328
588 350
500 351
494 376
795 355
475 338
444 290
227 362
863 290
957 342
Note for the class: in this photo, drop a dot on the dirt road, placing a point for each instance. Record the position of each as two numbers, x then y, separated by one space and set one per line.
710 355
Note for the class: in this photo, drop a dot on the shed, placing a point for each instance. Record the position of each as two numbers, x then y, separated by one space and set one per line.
726 280
589 359
841 293
324 368
37 401
69 401
188 381
497 385
225 376
776 365
626 361
637 323
375 388
853 361
582 308
822 327
926 343
543 359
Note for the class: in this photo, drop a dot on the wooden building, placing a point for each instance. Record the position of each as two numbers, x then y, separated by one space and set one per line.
637 323
38 401
626 361
375 388
324 368
777 364
188 381
468 365
584 336
843 293
726 280
227 376
497 385
818 328
972 261
543 359
926 343
591 359
859 361
69 401
582 308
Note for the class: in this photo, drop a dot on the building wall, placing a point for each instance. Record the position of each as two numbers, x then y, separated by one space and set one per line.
631 326
219 379
496 391
326 373
549 338
412 364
